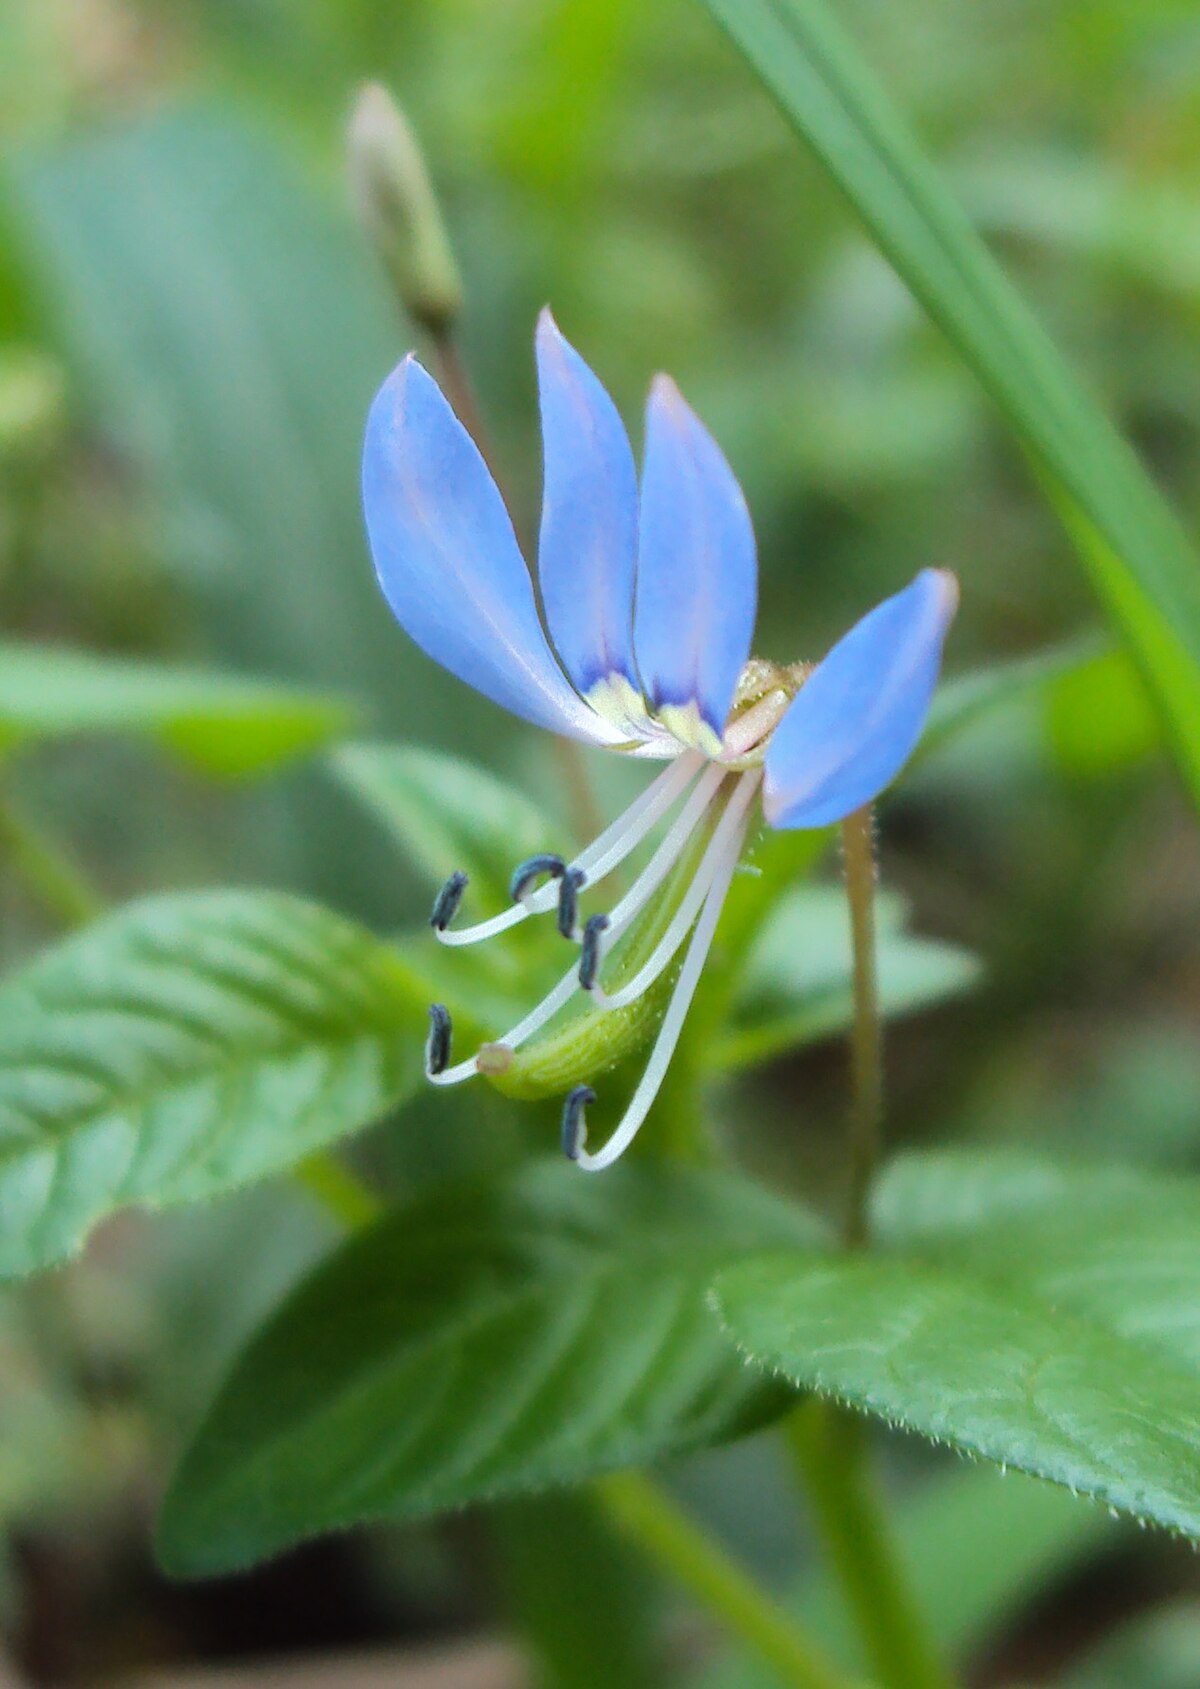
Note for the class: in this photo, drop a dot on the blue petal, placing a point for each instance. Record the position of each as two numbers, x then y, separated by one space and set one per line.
854 722
448 561
588 547
697 575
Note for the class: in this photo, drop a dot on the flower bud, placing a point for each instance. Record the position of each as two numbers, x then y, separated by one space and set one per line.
399 208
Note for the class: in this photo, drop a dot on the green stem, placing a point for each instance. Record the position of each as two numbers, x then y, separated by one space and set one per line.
642 1511
652 1520
829 1444
57 881
829 1447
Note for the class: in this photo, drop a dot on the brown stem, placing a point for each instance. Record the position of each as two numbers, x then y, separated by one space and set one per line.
866 1051
459 389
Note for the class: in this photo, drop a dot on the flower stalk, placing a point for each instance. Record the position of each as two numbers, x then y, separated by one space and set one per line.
866 1048
828 1443
650 1518
641 1509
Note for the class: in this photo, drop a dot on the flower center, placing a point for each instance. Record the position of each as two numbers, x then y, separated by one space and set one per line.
763 693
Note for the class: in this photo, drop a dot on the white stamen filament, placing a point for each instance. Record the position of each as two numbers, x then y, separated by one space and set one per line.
669 851
681 1001
604 854
614 844
731 824
549 1006
640 892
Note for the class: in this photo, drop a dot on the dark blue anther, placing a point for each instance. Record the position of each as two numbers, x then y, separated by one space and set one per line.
589 958
445 904
568 901
437 1045
525 873
574 1122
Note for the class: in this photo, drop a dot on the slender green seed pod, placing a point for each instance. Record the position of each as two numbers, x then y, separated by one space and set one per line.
593 1040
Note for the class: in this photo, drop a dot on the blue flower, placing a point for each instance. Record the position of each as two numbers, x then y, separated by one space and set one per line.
649 602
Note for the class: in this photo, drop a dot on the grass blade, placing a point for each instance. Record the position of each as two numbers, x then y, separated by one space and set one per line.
1139 559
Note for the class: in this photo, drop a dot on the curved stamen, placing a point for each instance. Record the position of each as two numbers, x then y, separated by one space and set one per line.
534 1021
669 850
640 892
437 1044
732 826
589 956
485 929
574 1120
533 869
615 843
445 904
575 1110
569 888
604 854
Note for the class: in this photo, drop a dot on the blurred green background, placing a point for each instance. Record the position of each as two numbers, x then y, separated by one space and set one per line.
191 326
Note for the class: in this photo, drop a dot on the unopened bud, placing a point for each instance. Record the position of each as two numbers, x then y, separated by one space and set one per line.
399 208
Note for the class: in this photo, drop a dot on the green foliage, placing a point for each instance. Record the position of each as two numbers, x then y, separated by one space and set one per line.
447 814
786 949
1090 706
484 1342
222 724
1137 555
182 1048
567 1572
167 249
795 986
966 698
1099 718
977 1545
1038 1317
194 328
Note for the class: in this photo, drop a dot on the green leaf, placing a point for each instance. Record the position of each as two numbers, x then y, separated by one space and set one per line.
447 814
226 325
223 724
1099 718
486 1342
1087 699
1139 559
1040 1317
967 698
183 1047
797 986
